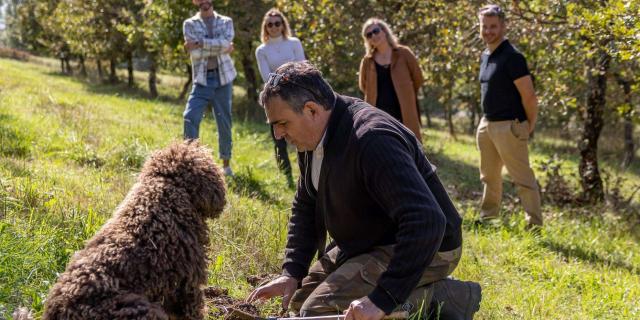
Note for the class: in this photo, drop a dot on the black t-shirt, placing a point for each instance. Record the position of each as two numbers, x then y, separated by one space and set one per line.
387 99
500 97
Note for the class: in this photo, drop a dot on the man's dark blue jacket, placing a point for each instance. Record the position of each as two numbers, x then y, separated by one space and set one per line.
376 188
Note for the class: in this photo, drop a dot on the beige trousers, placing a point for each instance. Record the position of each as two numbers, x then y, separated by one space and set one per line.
504 143
329 288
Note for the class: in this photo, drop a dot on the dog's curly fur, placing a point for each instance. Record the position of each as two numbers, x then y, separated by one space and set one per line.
149 260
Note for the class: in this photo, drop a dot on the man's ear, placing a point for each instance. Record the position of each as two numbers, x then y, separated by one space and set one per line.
312 107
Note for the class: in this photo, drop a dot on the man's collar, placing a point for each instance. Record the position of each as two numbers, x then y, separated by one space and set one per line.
199 17
339 108
500 47
320 146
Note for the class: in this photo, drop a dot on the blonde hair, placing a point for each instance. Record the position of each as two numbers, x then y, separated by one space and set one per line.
391 38
273 12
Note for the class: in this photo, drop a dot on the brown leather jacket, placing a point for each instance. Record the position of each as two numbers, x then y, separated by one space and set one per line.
407 79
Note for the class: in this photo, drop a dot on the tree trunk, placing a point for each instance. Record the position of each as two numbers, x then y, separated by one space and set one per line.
593 122
474 108
250 75
452 130
113 77
427 113
68 65
153 89
448 112
62 64
629 147
187 85
99 66
83 68
130 81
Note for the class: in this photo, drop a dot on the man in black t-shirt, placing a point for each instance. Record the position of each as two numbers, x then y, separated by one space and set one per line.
510 110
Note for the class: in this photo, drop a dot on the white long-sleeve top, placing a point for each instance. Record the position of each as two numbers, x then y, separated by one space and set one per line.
276 52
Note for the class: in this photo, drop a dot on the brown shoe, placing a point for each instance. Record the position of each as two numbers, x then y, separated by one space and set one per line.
455 300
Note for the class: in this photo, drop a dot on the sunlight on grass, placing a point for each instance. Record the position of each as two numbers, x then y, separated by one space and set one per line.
71 150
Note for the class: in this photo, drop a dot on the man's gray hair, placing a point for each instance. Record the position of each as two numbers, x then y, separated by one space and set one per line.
492 10
298 83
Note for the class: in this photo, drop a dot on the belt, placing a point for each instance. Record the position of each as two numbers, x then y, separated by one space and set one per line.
212 70
502 119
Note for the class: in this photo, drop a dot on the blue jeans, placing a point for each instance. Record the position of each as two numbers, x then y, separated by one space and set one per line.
220 98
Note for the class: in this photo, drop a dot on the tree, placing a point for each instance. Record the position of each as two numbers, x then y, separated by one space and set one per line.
24 30
605 27
162 38
627 111
247 38
588 39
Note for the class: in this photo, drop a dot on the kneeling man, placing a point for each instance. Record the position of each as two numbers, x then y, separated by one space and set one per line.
366 182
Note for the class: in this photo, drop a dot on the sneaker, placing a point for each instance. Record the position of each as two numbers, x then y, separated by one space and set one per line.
227 171
456 300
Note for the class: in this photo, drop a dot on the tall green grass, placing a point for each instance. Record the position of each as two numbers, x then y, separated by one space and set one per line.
70 150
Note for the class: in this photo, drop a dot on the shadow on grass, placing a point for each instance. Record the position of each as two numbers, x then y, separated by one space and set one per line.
17 167
460 179
588 256
242 108
116 89
609 159
246 184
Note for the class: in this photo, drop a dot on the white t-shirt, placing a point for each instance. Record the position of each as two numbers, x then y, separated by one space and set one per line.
316 164
276 52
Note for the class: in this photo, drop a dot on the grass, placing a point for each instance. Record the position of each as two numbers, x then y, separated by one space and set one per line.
70 150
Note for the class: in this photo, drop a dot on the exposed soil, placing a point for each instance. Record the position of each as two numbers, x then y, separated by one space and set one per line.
258 280
221 304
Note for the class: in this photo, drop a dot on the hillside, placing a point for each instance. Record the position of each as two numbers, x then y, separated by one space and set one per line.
69 152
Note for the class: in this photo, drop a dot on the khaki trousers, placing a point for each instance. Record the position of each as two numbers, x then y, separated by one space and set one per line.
329 289
504 143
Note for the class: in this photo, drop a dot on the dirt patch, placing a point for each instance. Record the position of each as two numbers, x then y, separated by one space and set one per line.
221 304
258 280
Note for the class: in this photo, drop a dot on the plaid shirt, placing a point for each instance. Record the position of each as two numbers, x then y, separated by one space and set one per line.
195 29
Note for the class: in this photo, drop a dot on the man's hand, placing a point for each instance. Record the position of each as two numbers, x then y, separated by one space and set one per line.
532 126
229 49
363 309
190 45
283 286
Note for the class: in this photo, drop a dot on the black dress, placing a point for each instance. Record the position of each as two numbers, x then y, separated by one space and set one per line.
387 98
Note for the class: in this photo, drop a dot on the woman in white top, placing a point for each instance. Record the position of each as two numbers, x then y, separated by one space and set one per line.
278 47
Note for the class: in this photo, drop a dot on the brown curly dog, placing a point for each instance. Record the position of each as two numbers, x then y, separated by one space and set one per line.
149 260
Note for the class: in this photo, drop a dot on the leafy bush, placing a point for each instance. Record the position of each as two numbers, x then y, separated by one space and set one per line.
556 189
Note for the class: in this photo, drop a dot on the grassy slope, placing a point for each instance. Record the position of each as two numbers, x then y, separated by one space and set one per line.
69 152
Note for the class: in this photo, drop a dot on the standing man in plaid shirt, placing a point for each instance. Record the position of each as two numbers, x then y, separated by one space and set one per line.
208 38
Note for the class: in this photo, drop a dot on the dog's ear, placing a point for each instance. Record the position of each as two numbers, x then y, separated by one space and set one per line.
206 184
209 197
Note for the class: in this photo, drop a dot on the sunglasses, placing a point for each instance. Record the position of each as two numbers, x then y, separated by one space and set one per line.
372 32
276 79
277 24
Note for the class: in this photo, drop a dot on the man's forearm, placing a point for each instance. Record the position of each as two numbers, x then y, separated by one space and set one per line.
216 46
531 110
